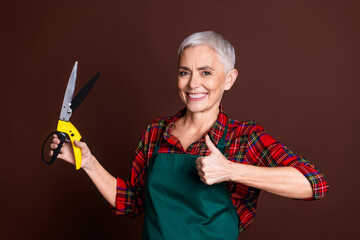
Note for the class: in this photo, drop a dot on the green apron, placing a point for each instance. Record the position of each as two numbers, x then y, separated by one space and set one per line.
178 205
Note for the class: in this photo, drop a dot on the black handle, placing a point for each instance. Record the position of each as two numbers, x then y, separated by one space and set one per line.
62 136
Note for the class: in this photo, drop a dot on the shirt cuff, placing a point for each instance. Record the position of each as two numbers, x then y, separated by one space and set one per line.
318 183
120 197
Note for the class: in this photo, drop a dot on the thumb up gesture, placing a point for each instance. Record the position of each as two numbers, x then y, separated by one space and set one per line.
214 168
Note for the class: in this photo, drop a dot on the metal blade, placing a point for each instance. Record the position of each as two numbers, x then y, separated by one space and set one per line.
79 98
66 110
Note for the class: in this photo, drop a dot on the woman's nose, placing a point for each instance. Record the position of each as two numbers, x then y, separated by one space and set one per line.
194 81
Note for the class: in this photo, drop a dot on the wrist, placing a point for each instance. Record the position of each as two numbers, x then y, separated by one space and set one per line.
90 165
230 171
235 172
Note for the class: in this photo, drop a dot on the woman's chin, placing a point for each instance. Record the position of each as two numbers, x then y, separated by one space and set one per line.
198 108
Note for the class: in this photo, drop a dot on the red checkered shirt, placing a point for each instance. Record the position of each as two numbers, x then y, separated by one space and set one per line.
246 143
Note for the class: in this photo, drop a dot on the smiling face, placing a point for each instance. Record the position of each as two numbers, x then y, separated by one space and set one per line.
201 79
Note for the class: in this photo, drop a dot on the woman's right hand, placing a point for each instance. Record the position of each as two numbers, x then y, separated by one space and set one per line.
67 153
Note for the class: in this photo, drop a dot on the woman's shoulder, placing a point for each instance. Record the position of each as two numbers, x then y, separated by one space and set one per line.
158 123
153 131
250 130
244 127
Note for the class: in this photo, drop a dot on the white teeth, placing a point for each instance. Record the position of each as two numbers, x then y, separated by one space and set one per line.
197 95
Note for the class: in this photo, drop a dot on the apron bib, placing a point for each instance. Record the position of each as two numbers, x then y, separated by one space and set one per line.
178 205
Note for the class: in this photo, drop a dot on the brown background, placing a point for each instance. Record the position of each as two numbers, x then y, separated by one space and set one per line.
299 78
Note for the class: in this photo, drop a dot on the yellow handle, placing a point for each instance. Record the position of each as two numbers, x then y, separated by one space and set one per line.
73 133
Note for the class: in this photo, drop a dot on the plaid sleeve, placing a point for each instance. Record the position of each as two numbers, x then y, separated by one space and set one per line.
266 151
130 191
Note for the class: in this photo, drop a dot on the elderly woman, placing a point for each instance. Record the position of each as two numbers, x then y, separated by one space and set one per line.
198 174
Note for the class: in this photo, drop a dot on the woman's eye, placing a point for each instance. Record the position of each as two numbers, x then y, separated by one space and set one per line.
206 73
183 73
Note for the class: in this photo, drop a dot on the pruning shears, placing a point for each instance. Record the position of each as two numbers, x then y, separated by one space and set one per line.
65 129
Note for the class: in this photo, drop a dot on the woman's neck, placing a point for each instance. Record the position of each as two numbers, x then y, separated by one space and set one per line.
199 121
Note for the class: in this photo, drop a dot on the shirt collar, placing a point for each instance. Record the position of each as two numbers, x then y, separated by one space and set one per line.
215 132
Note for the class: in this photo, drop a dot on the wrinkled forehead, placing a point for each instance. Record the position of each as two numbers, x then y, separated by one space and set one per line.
201 54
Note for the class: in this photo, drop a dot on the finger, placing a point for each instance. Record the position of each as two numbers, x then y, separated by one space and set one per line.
80 144
54 146
200 161
60 155
205 181
83 146
210 144
56 140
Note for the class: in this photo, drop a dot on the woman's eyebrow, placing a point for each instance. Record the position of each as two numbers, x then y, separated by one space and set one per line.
185 68
199 68
206 67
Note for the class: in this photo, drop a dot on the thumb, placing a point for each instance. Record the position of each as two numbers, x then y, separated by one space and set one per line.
210 144
79 144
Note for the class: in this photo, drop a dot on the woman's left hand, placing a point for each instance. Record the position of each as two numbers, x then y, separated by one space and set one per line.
284 181
213 168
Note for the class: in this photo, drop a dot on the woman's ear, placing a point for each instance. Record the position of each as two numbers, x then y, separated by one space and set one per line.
230 79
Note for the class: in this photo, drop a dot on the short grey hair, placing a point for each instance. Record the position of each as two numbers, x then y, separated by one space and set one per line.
224 49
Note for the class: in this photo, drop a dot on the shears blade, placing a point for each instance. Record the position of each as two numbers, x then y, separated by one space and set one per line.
81 95
66 110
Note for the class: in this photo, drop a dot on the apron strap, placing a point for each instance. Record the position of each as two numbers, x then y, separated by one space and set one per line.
157 146
156 150
221 143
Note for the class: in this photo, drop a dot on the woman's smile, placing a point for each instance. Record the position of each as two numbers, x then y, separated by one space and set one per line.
196 96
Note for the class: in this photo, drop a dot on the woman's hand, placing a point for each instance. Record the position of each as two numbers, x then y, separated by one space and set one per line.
67 153
283 181
214 168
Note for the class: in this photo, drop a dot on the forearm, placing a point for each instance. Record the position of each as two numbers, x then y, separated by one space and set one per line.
103 180
283 181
